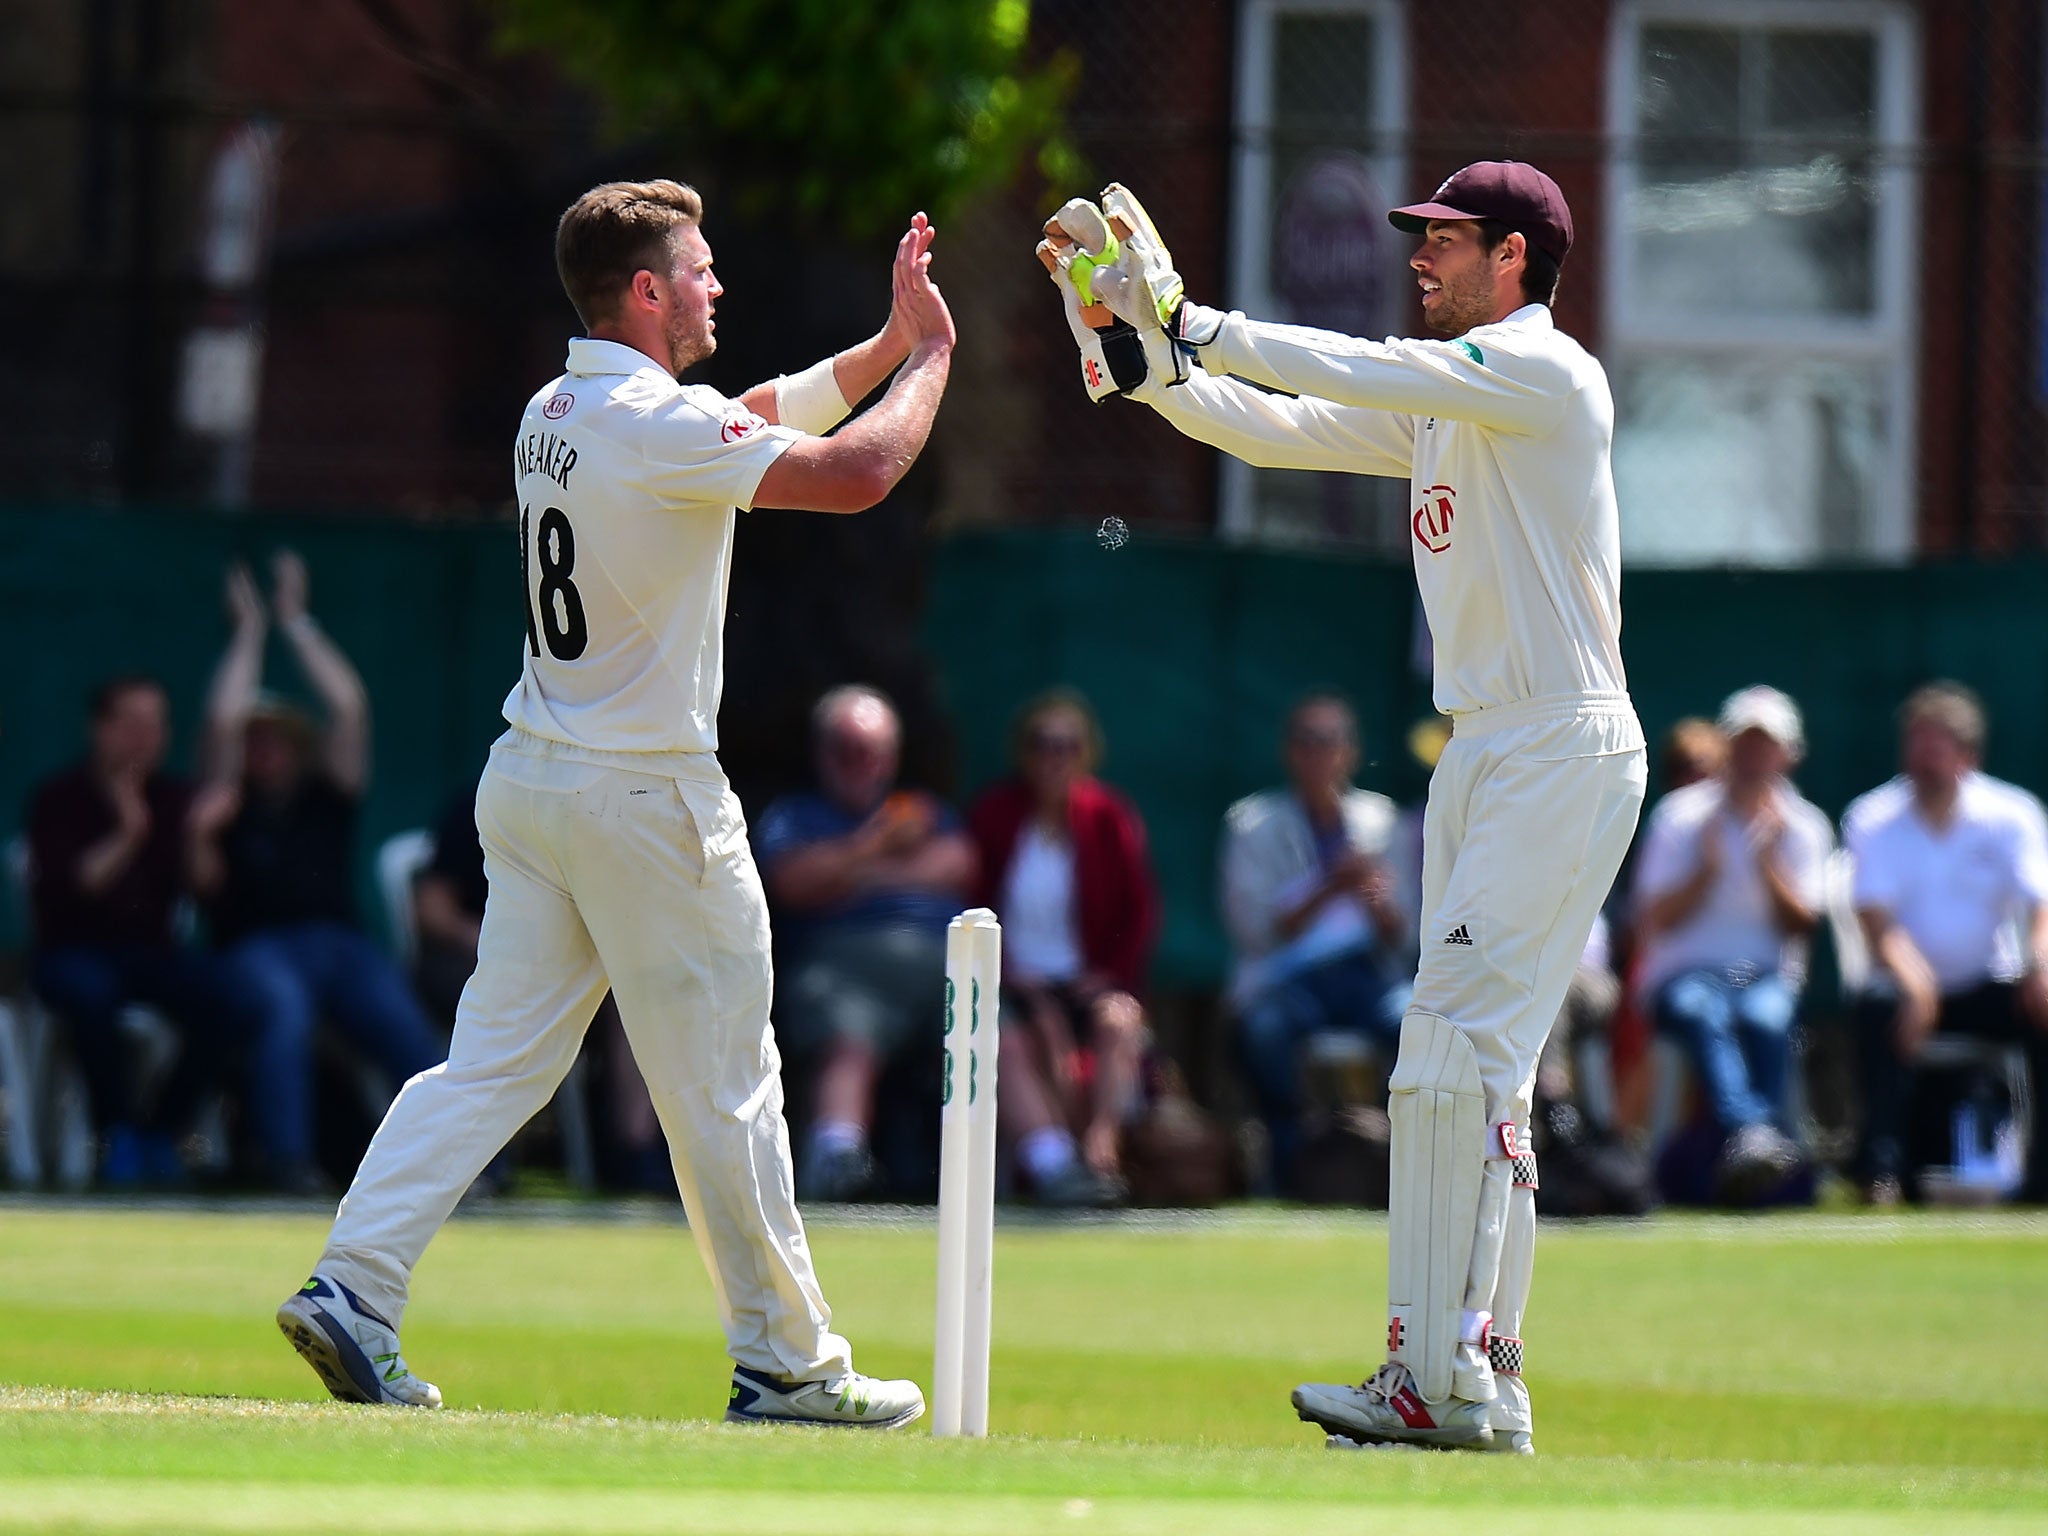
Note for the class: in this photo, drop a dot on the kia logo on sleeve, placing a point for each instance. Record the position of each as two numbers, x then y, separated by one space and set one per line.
737 427
557 406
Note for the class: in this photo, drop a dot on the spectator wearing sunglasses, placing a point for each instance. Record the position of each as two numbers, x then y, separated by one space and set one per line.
1064 865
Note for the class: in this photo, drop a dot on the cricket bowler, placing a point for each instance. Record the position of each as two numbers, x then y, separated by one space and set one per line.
616 851
1504 432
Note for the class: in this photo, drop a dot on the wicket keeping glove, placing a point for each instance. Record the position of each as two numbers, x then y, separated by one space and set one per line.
1122 261
1112 356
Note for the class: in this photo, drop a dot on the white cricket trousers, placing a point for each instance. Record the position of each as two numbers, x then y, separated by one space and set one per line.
1531 810
633 870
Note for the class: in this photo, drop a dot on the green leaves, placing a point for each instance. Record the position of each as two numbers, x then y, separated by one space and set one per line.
849 115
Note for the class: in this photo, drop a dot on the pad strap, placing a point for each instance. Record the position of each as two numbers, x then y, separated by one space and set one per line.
1514 1145
1504 1354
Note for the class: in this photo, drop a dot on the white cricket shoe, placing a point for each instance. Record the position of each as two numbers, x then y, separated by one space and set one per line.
1388 1410
352 1349
853 1401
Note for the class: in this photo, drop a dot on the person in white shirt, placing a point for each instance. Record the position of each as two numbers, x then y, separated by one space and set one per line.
615 850
1729 886
1307 894
1951 887
1504 431
1064 864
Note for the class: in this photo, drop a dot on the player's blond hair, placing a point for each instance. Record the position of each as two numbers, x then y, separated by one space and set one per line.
615 230
1950 707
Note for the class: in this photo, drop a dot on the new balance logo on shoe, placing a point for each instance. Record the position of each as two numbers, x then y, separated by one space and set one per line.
1459 935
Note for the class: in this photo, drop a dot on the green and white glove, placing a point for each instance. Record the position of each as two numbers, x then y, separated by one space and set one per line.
1112 356
1122 261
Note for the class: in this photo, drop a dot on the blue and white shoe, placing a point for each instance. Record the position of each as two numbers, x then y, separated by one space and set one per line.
352 1349
853 1401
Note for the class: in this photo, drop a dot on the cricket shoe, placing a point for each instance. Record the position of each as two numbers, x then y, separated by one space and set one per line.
352 1349
853 1401
1388 1410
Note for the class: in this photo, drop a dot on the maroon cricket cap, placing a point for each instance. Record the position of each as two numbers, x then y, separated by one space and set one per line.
1517 194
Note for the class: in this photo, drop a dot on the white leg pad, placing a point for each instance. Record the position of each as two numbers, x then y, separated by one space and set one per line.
1439 1155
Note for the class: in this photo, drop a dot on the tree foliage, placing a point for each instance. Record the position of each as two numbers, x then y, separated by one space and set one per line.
847 111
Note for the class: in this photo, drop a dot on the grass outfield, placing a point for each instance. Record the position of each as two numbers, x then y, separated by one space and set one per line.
1845 1374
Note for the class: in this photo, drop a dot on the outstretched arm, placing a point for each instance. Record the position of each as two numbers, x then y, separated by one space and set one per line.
235 681
1280 432
346 747
1455 380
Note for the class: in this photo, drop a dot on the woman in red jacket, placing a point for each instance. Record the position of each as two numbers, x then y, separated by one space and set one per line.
1063 864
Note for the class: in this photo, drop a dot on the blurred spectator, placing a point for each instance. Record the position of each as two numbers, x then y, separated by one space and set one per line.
1307 894
109 841
1063 863
1694 749
1730 884
863 878
1587 1168
448 908
1951 887
280 876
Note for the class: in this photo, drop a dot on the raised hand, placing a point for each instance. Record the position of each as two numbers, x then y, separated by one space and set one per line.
288 585
925 316
213 807
901 329
245 603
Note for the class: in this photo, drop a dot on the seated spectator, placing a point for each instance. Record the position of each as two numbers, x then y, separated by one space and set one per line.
280 876
109 840
863 878
1951 887
1063 863
448 908
1729 887
1693 749
1307 897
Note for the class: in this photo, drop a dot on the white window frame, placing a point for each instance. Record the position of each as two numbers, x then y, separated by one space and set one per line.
1890 332
1252 165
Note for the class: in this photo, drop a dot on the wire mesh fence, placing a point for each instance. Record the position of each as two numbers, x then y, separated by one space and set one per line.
1807 248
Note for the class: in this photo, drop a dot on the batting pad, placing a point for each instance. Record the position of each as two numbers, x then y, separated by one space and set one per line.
1438 1111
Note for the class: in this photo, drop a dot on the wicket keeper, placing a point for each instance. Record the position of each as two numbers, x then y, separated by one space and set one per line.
1503 430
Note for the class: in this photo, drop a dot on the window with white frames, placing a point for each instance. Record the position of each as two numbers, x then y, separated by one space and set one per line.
1758 290
1321 105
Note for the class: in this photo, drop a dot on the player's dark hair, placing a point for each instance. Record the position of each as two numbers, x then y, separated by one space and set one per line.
109 692
1539 268
1323 698
615 230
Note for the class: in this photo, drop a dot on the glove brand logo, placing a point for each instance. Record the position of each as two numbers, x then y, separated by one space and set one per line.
557 406
1094 372
1432 521
1394 1334
737 427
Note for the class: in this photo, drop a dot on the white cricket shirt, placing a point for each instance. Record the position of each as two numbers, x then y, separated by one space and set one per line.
1040 939
1961 892
1505 436
1733 925
628 482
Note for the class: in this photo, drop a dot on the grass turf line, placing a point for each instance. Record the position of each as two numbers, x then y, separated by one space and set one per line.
1691 1376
